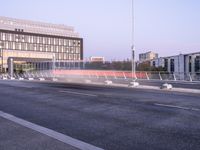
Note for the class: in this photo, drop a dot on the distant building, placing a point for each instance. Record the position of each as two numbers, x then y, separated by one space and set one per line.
147 56
37 43
158 62
183 63
97 59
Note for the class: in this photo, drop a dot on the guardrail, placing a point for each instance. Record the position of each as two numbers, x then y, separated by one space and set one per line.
104 74
128 75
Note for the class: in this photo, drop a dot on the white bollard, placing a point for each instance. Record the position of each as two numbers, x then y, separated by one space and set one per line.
88 81
166 86
42 79
55 79
134 84
108 82
12 78
21 78
5 78
30 79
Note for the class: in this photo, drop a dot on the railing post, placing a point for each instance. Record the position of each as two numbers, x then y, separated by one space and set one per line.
124 76
97 75
105 76
147 75
114 74
135 75
160 76
174 76
190 77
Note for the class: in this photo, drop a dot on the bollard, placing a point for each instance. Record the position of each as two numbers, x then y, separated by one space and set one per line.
166 86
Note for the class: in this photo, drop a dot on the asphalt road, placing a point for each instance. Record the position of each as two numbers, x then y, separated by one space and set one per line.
108 117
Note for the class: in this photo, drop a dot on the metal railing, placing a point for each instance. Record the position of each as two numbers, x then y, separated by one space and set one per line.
104 74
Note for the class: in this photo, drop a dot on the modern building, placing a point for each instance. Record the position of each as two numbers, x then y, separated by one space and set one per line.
23 41
147 56
182 63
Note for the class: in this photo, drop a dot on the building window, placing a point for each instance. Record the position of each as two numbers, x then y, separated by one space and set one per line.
1 44
56 42
172 65
154 63
51 41
40 40
197 64
190 63
77 50
4 36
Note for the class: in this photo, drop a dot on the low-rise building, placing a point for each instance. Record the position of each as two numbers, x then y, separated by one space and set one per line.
97 59
182 63
147 56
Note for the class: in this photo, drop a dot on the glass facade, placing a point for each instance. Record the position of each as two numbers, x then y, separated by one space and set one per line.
197 64
190 63
172 65
64 48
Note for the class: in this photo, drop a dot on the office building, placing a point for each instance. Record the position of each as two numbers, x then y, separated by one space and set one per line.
182 63
33 42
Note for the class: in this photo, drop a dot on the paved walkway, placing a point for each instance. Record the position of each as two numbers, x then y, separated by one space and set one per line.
17 137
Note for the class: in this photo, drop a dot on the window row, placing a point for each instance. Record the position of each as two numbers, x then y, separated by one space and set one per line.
38 47
59 56
64 56
38 39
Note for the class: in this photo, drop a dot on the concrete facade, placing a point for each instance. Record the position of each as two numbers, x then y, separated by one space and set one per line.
183 63
31 39
147 56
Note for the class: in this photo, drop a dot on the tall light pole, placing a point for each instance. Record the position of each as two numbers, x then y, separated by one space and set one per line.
133 41
133 83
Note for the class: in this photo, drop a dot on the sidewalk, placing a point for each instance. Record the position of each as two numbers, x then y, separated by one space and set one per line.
17 137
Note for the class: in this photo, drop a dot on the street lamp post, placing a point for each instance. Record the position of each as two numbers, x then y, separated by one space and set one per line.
132 43
133 83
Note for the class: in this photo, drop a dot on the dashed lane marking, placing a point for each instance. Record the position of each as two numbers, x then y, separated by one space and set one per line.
178 107
78 93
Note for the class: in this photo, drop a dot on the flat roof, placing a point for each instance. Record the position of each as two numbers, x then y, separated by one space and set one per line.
7 23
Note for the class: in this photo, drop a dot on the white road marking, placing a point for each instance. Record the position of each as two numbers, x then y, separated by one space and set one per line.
179 107
51 133
78 93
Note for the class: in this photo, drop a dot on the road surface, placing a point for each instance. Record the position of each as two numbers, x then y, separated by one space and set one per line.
107 117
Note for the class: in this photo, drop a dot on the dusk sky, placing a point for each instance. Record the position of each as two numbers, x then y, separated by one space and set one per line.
168 27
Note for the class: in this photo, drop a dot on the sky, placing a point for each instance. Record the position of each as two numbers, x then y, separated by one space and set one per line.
168 27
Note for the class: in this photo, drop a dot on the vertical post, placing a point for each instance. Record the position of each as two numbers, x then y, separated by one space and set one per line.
190 77
53 65
174 76
124 76
160 76
10 67
54 61
134 78
133 44
114 75
147 76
